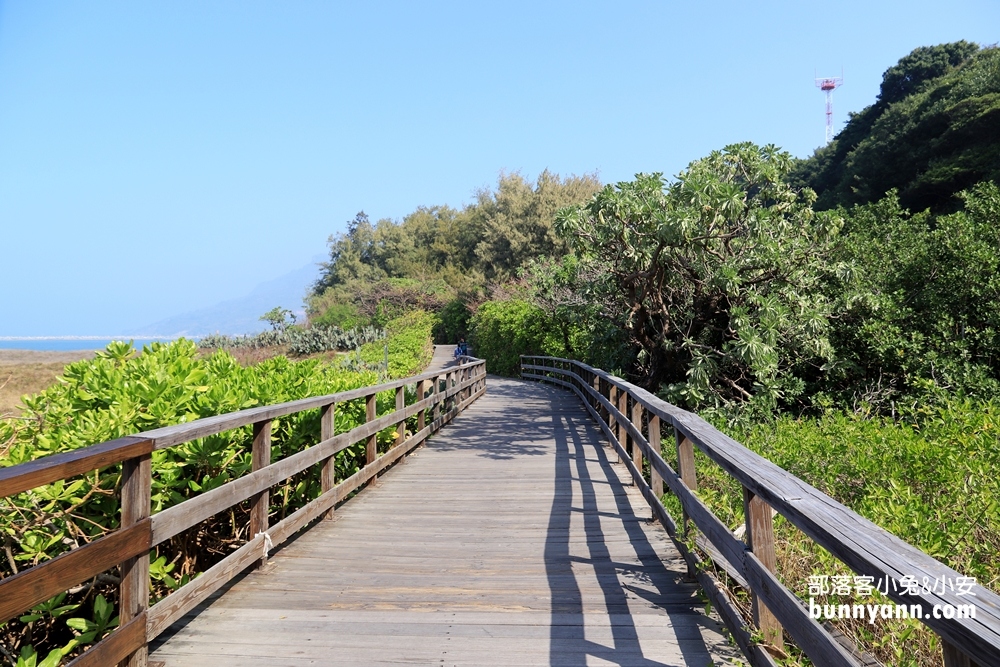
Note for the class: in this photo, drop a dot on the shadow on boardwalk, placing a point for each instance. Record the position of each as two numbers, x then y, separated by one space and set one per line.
509 539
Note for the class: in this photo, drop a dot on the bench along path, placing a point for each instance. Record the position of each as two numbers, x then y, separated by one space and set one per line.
509 539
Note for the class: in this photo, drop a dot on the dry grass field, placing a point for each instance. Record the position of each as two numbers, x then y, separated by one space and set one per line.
29 371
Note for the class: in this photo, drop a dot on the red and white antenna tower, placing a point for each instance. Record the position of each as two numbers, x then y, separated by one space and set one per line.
827 85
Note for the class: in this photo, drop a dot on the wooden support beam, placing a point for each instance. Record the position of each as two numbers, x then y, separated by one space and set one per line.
954 657
437 404
621 432
637 411
422 415
260 503
134 587
760 539
401 425
685 462
371 449
329 470
688 475
653 438
613 399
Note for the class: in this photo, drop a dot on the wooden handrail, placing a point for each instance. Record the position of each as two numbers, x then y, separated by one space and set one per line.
857 542
129 546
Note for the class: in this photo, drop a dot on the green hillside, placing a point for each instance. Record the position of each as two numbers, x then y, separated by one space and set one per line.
933 131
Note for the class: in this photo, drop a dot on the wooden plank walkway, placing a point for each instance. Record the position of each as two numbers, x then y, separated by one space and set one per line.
509 539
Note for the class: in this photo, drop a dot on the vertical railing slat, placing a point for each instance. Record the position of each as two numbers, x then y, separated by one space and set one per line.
371 448
422 415
656 482
328 471
260 458
401 424
134 587
760 539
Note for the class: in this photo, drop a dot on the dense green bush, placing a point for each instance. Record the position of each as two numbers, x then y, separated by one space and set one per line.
452 322
924 315
504 330
930 481
408 347
343 315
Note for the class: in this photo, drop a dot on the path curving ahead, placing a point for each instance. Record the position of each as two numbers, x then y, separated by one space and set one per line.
509 539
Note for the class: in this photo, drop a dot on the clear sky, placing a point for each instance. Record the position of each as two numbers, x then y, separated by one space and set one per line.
159 157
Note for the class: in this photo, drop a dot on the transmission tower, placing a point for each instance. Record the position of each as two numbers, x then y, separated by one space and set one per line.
828 85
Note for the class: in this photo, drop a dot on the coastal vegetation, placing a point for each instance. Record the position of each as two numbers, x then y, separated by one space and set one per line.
840 315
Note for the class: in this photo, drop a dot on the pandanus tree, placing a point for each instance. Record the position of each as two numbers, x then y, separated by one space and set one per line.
716 276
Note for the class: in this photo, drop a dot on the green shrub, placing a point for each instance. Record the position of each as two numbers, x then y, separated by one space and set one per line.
931 482
343 315
504 330
408 344
453 321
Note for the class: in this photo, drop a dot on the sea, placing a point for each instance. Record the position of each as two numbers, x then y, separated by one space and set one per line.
68 343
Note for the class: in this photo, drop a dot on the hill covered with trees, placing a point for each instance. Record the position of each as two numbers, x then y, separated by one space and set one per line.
442 259
933 131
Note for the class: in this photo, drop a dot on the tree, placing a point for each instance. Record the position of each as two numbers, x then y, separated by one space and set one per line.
279 318
515 223
928 314
717 277
351 256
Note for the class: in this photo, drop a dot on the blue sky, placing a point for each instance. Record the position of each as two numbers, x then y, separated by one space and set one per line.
160 157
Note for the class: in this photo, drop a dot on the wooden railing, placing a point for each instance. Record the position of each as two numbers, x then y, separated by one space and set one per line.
443 394
633 419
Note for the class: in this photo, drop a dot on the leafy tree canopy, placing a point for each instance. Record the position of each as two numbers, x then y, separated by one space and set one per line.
716 277
438 254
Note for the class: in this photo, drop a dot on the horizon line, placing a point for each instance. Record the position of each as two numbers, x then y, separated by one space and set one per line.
119 337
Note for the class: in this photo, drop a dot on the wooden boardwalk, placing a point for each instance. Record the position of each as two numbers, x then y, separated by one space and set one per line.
509 539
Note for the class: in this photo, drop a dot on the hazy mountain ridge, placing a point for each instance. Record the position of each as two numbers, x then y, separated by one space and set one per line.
241 315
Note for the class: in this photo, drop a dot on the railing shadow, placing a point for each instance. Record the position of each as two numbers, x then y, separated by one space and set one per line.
517 437
624 586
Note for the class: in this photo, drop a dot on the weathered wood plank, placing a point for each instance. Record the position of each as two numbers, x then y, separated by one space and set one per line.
260 458
129 638
48 469
134 589
327 473
760 535
29 587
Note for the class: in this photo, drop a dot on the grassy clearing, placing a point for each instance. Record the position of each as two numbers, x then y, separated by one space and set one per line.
17 380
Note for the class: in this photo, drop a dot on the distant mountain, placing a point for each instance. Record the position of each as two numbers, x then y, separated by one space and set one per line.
242 315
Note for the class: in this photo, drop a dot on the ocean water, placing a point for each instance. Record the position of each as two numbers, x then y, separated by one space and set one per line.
66 344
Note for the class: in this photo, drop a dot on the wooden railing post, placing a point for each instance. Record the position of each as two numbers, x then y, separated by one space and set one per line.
422 415
622 406
686 471
328 472
954 657
259 504
653 437
612 422
134 587
760 539
437 401
637 411
371 450
401 424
